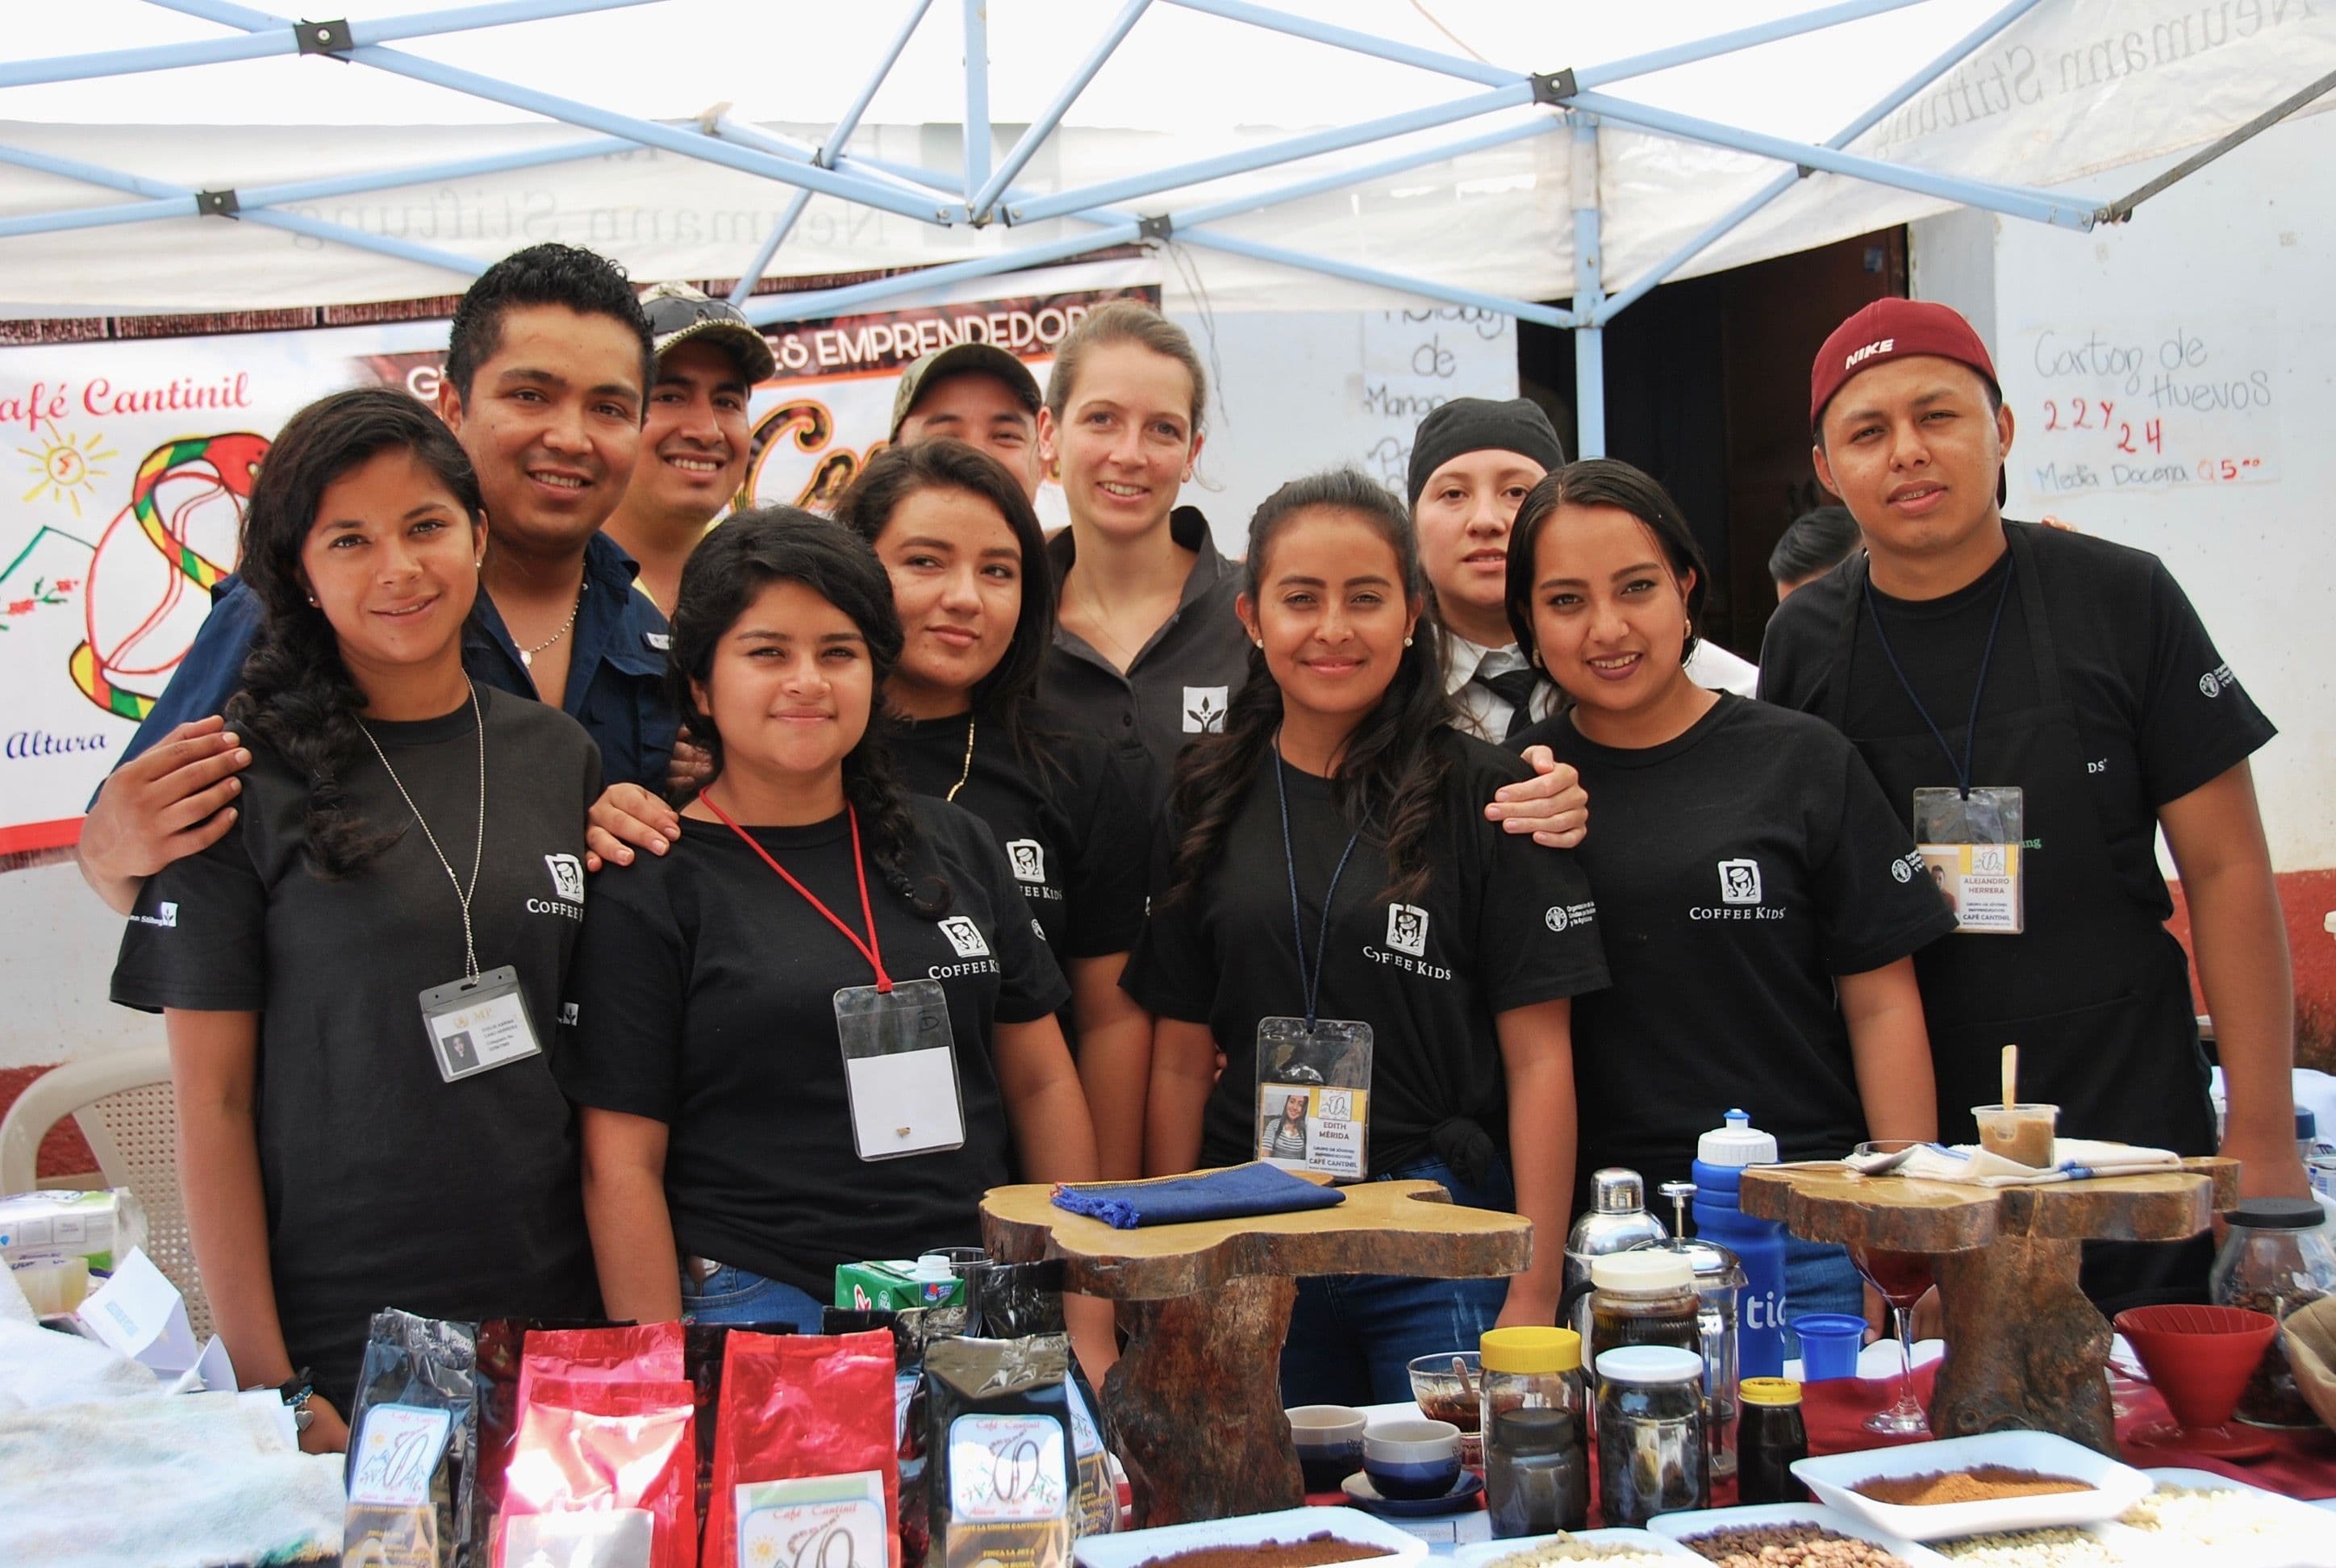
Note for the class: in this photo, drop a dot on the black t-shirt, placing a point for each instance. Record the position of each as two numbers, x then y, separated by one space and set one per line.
1737 870
1071 819
705 991
1181 680
2158 711
385 1184
1503 924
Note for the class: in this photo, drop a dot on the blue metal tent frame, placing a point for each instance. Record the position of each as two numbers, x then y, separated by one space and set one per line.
1570 101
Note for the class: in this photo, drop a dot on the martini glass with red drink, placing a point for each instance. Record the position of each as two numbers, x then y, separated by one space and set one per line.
1899 1279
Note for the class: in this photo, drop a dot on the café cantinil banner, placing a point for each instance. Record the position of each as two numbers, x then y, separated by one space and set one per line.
130 463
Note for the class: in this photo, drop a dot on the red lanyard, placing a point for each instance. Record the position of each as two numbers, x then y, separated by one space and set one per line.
868 950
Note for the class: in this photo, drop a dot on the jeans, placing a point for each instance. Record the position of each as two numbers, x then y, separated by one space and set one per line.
1351 1336
729 1295
1818 1278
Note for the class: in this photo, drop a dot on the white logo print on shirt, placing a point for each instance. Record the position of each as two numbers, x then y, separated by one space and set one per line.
965 937
1029 860
1406 930
2214 682
164 915
1205 709
1739 882
567 877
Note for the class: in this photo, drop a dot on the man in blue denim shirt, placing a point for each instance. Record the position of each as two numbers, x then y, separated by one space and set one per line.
545 382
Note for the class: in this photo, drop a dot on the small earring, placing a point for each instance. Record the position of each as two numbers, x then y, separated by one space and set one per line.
312 600
1259 641
1406 642
1687 629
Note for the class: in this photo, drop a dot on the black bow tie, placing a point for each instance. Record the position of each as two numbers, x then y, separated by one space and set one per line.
1515 687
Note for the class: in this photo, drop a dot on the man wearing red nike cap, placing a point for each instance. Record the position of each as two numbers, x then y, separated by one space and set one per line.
2042 703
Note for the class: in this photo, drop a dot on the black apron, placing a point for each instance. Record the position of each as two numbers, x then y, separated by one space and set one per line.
2094 990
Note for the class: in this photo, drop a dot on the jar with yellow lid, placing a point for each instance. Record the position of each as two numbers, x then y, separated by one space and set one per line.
1771 1438
1530 1368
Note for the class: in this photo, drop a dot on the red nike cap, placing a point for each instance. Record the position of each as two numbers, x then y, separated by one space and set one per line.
1891 329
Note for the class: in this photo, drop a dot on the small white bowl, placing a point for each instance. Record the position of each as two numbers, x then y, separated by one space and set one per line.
2111 1487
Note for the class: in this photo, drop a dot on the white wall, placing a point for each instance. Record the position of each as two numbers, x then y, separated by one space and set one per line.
1294 393
2208 323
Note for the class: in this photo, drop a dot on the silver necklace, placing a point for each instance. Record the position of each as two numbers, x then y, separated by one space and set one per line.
478 853
527 654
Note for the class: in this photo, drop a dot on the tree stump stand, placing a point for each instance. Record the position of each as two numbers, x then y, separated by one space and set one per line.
2026 1351
1195 1401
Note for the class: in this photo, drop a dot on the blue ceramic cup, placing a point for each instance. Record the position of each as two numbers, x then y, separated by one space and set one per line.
1412 1460
1330 1443
1829 1345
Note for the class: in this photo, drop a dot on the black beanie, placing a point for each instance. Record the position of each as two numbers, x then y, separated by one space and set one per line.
1468 425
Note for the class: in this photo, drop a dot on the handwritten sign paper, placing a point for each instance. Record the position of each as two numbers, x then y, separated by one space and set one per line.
2167 402
1415 361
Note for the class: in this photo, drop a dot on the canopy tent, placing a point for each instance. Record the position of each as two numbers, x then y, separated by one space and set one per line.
1487 153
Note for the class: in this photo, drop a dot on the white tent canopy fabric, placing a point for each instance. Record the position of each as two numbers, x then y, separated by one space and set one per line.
2058 99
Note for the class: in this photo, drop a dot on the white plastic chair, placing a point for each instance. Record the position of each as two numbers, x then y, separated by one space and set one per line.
130 1114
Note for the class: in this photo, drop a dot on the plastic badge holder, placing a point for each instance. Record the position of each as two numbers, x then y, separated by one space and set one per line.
1682 1527
1405 1550
1491 1553
2310 1544
2112 1487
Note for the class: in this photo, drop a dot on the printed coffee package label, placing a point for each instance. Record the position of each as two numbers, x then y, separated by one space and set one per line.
999 1443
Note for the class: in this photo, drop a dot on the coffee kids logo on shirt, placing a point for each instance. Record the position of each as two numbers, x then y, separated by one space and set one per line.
965 938
567 889
1406 930
1205 709
1028 859
1739 895
1407 936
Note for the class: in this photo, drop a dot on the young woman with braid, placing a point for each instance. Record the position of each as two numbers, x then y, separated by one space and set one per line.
1326 874
817 1030
399 829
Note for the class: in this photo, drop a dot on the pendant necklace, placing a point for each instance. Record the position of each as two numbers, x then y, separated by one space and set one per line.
527 654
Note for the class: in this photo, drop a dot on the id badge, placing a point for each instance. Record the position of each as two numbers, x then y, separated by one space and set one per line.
1973 848
1314 1096
900 1069
478 1025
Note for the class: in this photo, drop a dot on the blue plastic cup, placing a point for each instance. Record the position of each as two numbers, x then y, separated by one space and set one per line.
1830 1342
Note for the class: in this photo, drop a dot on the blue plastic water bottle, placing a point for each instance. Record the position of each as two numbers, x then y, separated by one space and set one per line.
1722 1155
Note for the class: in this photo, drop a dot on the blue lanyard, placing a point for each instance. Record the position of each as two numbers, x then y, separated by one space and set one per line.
1970 730
1311 982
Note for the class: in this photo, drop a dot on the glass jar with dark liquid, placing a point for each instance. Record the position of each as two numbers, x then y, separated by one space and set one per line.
1642 1298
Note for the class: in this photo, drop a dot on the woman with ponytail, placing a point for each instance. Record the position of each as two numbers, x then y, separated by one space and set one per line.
1334 913
400 832
823 1023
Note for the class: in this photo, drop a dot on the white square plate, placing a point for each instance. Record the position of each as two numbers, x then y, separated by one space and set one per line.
1680 1526
1486 1553
2307 1541
2112 1487
1254 1530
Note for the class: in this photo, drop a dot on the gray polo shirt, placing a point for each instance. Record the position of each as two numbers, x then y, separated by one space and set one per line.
1182 681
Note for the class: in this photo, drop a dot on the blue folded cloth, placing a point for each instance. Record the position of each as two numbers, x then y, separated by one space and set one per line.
1256 1188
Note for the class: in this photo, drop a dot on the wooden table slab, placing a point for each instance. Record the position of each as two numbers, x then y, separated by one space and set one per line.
2026 1351
1195 1399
